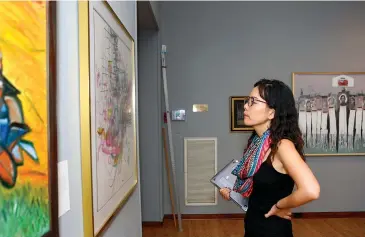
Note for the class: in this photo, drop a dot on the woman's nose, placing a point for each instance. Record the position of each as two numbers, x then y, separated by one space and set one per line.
246 105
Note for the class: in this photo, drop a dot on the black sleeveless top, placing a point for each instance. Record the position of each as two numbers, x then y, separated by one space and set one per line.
269 186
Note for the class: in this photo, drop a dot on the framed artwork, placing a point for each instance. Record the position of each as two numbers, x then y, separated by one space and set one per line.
108 114
331 112
237 105
28 136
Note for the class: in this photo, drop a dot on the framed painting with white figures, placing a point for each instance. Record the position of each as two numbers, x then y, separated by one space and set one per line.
331 112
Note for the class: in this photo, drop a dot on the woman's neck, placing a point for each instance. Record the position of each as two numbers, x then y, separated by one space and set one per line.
261 128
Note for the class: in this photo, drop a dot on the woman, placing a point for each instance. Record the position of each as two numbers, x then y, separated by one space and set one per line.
273 162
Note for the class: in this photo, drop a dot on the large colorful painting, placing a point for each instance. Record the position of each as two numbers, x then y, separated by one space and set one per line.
28 180
331 112
110 119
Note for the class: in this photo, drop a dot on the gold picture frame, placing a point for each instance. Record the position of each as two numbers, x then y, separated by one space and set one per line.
113 143
236 114
330 106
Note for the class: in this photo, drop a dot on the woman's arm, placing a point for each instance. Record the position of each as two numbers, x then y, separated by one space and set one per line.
308 188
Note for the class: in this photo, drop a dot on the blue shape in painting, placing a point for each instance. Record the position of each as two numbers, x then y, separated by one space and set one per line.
11 133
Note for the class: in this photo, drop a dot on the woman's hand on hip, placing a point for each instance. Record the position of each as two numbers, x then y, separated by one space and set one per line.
225 193
283 213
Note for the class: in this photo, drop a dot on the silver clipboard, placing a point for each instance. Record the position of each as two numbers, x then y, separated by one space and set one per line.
225 179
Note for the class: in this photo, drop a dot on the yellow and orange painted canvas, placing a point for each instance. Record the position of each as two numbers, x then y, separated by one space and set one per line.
24 198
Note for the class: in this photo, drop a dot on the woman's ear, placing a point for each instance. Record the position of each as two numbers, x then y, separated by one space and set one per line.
271 114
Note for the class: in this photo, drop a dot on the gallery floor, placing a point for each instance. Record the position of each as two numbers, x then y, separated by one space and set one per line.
331 227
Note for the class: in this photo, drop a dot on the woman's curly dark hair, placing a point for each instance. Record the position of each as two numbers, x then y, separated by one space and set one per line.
279 97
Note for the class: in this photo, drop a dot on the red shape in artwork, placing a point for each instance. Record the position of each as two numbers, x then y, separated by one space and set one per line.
343 82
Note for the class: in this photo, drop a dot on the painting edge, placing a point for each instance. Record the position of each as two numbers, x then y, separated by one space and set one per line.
87 200
53 141
51 41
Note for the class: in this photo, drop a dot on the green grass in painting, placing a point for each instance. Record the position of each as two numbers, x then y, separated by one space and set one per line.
24 211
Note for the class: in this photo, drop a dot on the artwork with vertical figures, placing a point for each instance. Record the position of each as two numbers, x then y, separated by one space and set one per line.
331 110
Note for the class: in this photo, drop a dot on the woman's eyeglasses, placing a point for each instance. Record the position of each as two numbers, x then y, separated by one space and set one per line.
253 100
